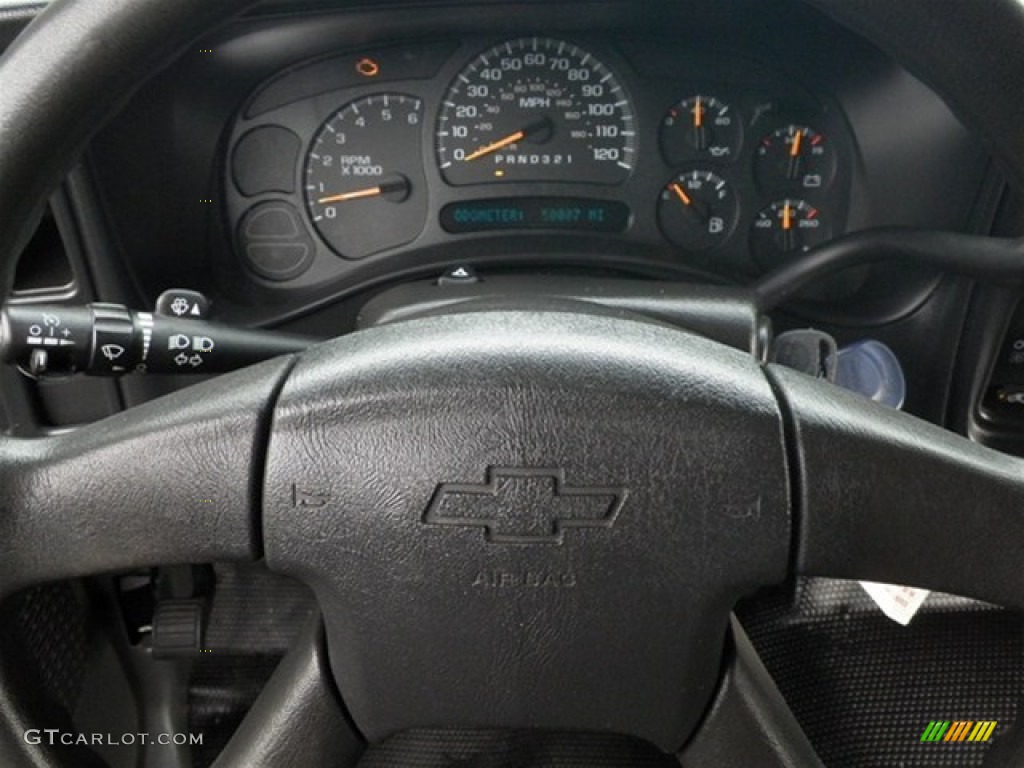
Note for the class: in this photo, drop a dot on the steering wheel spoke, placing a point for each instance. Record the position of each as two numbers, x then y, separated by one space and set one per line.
749 723
884 496
172 481
297 719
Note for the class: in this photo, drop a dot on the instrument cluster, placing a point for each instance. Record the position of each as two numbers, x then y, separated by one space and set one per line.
486 149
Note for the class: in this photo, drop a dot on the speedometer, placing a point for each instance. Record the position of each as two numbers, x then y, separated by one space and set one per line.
536 109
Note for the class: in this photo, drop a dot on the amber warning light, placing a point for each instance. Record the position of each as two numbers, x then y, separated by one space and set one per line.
367 67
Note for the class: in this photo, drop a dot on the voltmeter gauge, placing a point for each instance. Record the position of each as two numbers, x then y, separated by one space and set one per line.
697 210
786 227
701 127
794 157
364 181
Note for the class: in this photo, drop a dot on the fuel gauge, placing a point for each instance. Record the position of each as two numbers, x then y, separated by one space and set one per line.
700 127
794 157
697 210
785 227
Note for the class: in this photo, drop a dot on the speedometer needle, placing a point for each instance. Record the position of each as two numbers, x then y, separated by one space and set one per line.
496 145
512 138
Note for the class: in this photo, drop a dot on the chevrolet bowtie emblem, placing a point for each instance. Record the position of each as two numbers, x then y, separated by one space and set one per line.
524 506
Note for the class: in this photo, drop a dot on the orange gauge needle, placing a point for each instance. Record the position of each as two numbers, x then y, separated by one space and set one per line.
787 216
698 114
359 193
536 130
400 184
496 145
794 148
681 194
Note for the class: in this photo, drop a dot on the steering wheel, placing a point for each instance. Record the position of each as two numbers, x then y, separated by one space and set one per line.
525 515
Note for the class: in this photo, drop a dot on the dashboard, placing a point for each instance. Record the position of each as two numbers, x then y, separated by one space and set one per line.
308 156
731 165
311 161
208 177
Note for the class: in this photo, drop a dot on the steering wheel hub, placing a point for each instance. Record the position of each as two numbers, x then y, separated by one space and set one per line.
527 519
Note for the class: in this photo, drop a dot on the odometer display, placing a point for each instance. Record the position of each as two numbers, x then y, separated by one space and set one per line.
566 213
536 109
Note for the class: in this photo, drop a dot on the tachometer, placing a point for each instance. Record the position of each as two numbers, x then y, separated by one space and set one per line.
364 175
536 109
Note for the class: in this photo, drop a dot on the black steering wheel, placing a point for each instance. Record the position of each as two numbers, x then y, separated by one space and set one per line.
525 515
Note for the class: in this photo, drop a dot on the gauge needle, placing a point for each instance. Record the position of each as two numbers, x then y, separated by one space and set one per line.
359 194
494 146
681 194
698 114
794 148
793 167
789 234
512 138
695 209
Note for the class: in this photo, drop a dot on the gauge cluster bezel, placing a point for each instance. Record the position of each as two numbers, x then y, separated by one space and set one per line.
654 77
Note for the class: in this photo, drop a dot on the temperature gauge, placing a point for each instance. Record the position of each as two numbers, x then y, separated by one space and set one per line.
794 157
700 127
697 210
785 227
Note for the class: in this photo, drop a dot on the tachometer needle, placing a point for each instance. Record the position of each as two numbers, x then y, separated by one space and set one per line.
399 185
698 114
359 193
787 216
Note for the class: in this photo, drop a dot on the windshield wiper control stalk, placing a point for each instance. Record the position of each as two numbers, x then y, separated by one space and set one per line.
112 340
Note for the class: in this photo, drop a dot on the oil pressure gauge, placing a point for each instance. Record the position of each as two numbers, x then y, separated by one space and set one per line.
701 127
697 210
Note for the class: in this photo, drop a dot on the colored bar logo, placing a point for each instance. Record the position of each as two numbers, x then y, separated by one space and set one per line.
959 730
